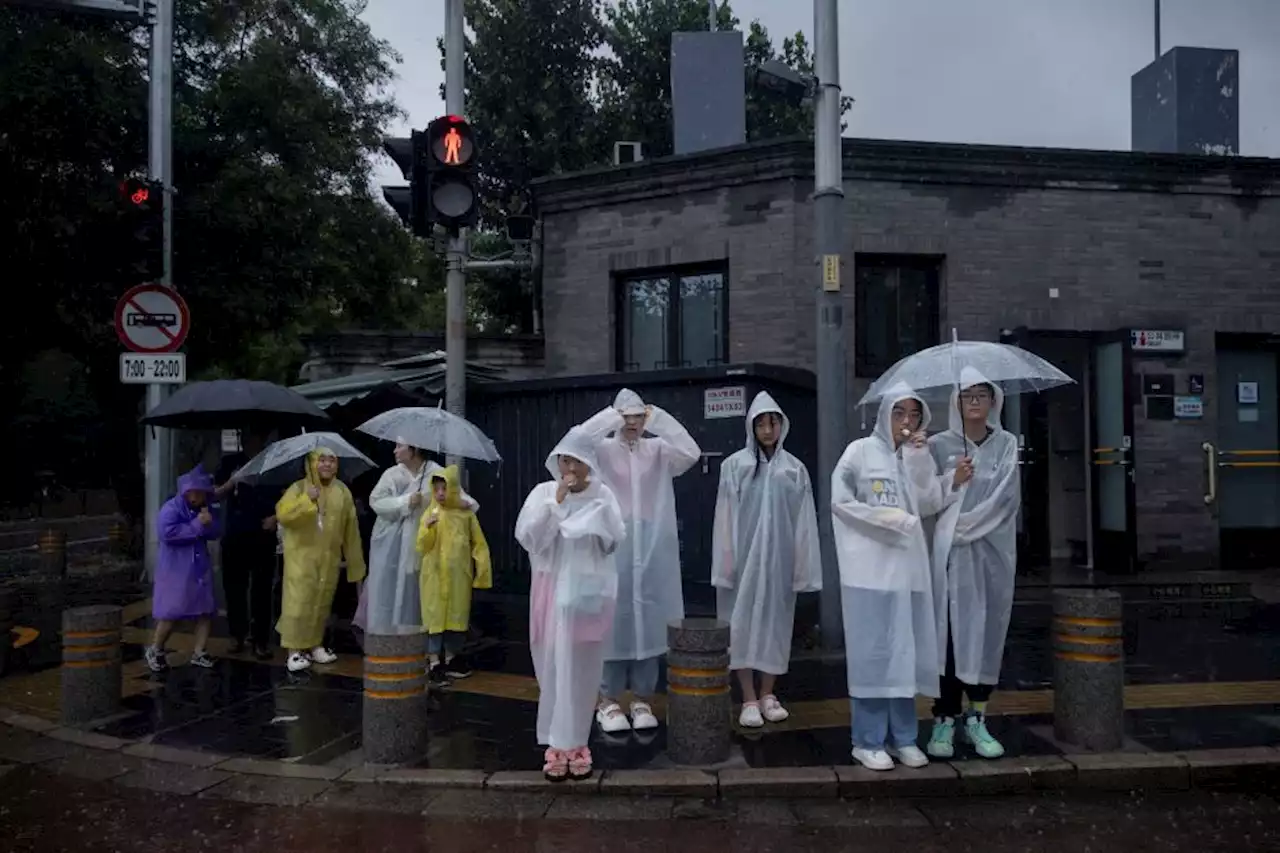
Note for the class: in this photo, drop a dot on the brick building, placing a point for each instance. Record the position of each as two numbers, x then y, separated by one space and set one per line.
707 258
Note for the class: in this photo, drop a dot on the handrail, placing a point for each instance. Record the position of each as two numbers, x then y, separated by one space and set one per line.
1249 452
1211 465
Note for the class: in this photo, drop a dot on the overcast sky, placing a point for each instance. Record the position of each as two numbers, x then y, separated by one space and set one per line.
1012 72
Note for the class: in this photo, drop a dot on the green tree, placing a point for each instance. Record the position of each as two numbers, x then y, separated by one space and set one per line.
278 108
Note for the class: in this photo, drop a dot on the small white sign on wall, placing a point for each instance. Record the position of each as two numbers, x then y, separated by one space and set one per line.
728 402
1188 408
1247 393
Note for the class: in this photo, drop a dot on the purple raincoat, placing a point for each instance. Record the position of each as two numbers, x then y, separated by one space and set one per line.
184 571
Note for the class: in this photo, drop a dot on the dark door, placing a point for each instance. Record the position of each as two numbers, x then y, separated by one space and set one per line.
1027 418
1114 539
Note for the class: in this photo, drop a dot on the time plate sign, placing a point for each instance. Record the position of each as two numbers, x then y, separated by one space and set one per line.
153 368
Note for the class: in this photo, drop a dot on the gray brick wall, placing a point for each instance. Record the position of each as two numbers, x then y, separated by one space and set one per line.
1169 245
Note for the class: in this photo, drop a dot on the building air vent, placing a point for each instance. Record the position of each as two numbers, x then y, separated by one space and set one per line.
627 152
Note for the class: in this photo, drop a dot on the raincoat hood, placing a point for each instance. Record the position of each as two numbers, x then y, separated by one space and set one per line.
763 404
628 402
578 444
195 480
895 395
452 487
969 377
313 462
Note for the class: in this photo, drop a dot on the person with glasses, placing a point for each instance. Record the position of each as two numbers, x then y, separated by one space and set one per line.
882 488
975 543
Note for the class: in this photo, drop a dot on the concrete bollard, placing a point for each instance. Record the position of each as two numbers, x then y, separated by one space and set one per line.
8 621
395 697
91 679
699 707
1088 669
52 552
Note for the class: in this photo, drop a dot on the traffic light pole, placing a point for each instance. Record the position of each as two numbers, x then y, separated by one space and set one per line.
455 336
159 446
832 363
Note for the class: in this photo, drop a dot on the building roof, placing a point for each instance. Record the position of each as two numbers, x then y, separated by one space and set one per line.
421 374
914 162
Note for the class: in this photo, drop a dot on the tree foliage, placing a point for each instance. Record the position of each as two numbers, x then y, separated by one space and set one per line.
552 84
277 108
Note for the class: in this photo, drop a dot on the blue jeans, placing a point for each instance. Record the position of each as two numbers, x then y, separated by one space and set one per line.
878 723
640 675
450 642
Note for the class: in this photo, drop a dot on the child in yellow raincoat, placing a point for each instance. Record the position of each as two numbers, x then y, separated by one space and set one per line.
455 560
317 517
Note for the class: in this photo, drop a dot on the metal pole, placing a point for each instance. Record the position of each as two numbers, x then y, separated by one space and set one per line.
828 221
159 447
456 277
711 15
1157 2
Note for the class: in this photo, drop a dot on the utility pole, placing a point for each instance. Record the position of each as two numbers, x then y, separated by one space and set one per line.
455 381
1157 3
828 221
159 446
711 15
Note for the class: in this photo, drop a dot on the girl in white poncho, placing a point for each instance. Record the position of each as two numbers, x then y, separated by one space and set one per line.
881 488
570 525
765 550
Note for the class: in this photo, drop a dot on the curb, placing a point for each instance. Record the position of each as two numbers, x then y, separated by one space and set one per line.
1115 771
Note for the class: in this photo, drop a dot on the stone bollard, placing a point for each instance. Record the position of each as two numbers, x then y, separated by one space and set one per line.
699 707
52 551
8 621
1088 669
91 680
118 538
395 697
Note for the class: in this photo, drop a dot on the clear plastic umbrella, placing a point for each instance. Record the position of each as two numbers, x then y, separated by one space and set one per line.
431 429
281 461
935 371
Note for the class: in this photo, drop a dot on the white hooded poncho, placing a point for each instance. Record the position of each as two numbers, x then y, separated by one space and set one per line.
573 592
392 599
764 548
887 584
976 540
640 473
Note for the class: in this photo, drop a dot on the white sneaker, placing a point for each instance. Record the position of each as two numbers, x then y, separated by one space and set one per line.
750 717
611 719
773 710
298 662
872 759
642 717
910 756
322 655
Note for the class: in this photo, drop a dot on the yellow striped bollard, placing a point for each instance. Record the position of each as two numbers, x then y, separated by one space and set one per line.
395 697
699 707
91 678
1088 668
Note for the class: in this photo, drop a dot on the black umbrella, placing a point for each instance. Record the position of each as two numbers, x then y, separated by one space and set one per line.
236 404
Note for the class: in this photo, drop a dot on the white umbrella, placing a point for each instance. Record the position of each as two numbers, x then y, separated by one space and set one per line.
278 461
433 429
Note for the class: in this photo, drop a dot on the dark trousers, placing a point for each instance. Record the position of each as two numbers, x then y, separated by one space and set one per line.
248 576
953 690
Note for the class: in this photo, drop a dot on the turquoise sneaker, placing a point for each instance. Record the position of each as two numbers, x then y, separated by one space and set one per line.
975 732
942 743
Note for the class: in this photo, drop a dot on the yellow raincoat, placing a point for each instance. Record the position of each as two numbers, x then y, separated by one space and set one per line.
317 535
455 559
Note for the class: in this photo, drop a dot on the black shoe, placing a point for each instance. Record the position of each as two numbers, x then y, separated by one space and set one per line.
238 647
436 676
262 653
459 667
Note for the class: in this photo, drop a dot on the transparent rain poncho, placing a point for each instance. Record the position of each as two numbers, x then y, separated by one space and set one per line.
765 547
887 584
976 539
640 473
573 593
391 589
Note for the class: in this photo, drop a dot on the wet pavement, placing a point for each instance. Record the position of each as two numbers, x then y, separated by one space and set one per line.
42 811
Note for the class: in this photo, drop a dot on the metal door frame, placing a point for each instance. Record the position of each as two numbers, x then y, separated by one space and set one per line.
1113 552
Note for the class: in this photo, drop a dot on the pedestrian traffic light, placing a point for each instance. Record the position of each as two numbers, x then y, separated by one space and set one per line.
453 197
410 202
142 214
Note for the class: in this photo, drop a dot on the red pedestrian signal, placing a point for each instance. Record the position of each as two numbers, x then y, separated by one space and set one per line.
453 188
